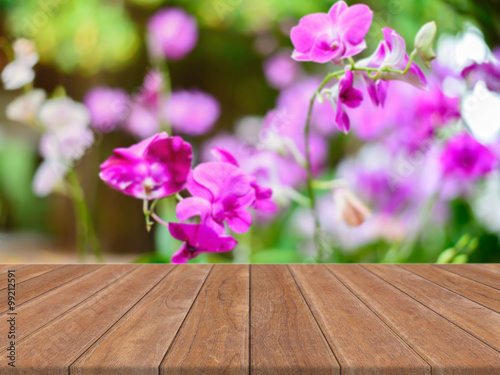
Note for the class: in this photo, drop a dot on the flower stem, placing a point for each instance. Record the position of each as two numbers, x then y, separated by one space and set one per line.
86 231
329 185
310 189
167 91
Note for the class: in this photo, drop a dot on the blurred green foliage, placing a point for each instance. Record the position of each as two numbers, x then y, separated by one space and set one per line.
85 35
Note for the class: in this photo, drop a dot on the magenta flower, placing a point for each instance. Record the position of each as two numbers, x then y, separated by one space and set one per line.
344 94
107 107
391 54
293 102
142 122
220 192
464 157
280 70
154 168
332 36
377 90
263 196
488 72
192 112
144 116
172 33
198 239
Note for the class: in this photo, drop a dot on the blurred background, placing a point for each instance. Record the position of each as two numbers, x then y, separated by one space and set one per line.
83 44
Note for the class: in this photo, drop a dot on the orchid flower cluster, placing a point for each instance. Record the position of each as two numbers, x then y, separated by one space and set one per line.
418 155
223 191
160 166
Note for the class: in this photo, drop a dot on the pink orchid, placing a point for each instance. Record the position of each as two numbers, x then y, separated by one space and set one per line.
332 36
391 54
198 239
466 158
172 33
344 94
192 112
107 107
154 168
280 70
263 201
220 192
377 90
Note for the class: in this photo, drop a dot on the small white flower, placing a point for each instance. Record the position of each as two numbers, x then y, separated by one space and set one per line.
20 71
60 112
25 108
66 144
48 176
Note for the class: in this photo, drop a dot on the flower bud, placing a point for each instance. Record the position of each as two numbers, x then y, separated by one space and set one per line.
424 41
350 208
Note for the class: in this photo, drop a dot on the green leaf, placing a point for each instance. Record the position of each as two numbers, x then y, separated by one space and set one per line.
151 258
276 256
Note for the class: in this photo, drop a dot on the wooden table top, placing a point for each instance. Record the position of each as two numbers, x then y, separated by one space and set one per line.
258 319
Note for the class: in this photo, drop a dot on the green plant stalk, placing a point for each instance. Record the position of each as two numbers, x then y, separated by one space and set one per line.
310 189
86 231
307 133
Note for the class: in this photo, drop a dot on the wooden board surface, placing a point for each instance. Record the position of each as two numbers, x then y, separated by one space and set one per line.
257 319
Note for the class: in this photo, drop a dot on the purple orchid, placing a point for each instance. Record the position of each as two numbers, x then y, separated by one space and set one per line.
198 239
143 119
377 90
107 107
220 192
466 158
280 70
172 33
154 168
489 72
344 94
192 112
332 36
263 195
391 54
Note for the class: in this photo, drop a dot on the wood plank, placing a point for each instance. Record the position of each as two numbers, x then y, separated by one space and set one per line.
285 338
48 306
493 267
362 343
5 267
465 313
26 273
471 289
41 284
447 348
474 272
214 338
52 349
154 322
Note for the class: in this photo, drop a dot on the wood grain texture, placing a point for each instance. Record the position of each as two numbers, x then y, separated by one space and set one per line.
137 343
6 267
492 267
25 273
474 272
362 343
468 315
285 338
480 293
260 319
44 308
55 346
36 286
214 338
442 344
